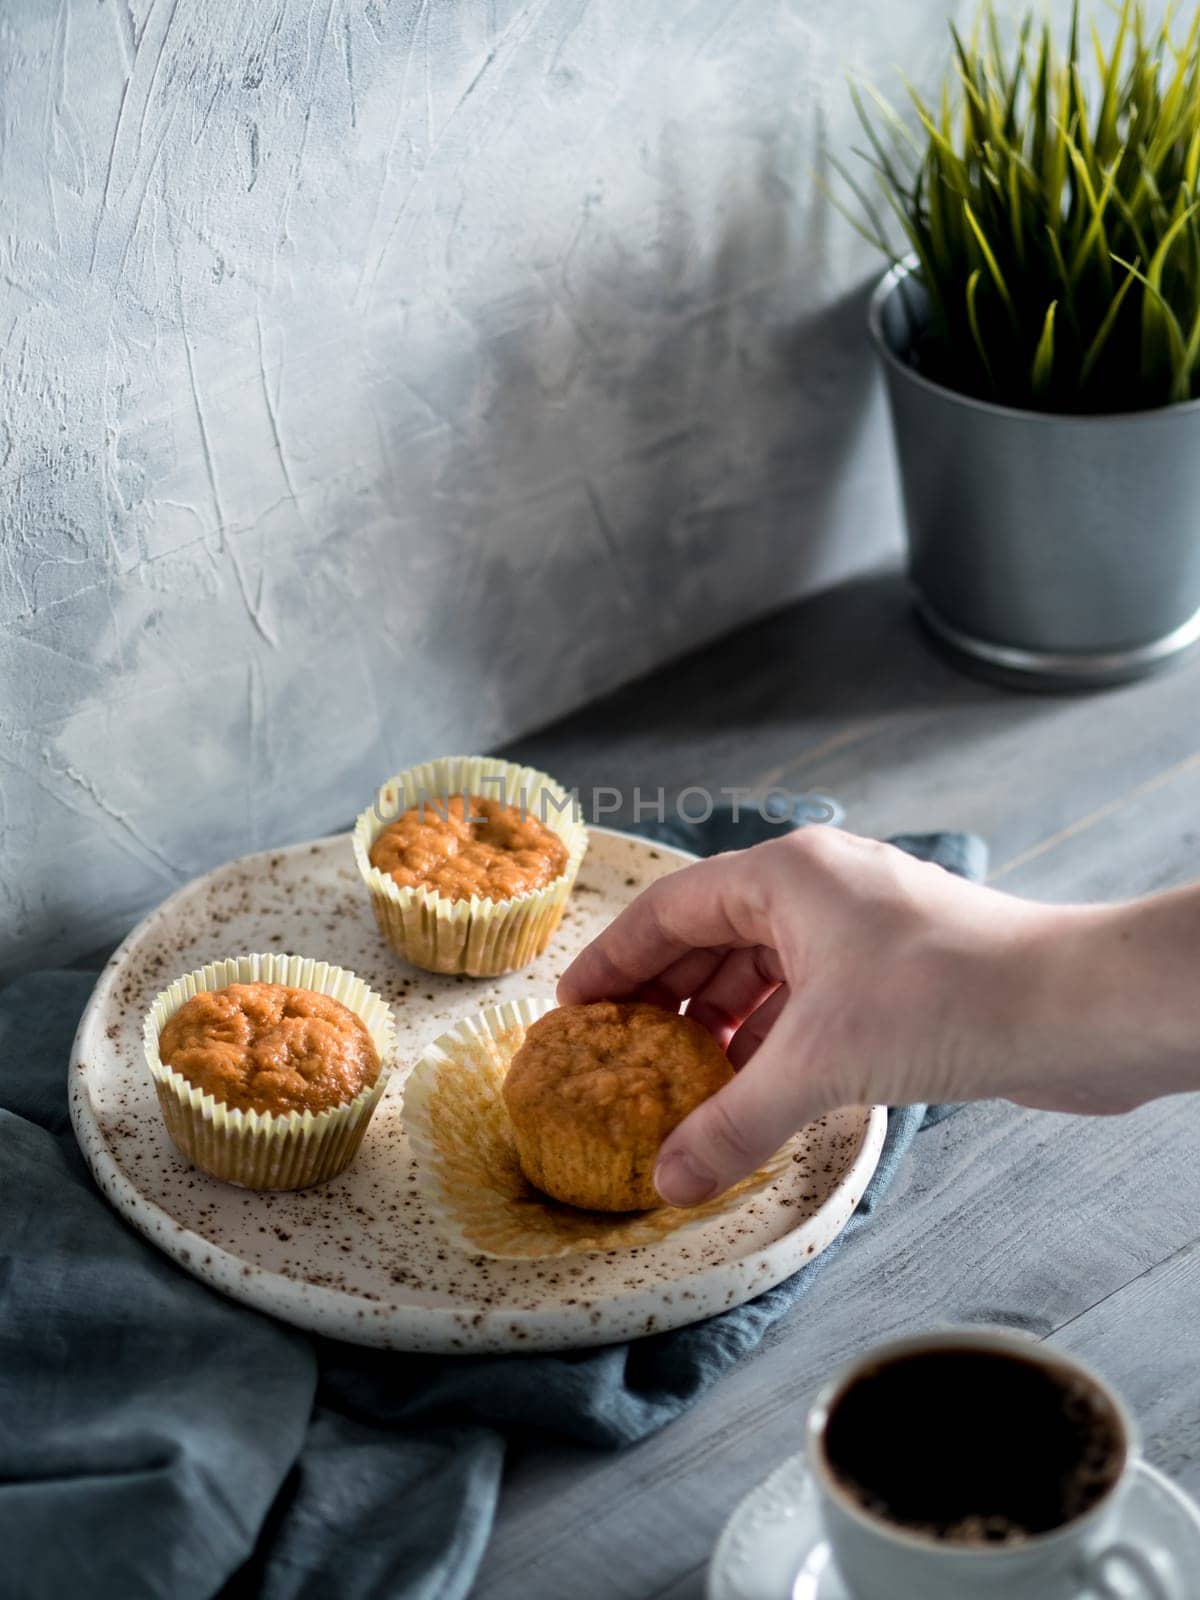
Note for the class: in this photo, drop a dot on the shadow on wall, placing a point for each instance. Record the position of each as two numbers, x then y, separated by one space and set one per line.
651 448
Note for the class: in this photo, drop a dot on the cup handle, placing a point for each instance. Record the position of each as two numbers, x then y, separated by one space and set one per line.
1153 1582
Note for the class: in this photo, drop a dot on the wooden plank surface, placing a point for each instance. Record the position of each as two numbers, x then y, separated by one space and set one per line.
1081 1231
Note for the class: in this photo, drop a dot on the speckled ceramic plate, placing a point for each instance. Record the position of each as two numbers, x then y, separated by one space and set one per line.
359 1258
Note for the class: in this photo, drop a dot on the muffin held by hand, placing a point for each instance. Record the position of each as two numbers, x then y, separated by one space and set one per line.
594 1090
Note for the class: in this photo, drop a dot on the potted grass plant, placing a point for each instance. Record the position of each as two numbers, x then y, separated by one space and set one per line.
1040 336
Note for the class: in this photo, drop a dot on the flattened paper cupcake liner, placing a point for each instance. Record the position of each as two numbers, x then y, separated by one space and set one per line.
262 1149
481 937
467 1167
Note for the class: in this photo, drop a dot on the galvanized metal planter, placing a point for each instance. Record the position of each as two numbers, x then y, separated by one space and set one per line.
1048 549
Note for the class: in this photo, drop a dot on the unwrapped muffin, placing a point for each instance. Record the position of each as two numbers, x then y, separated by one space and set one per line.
593 1092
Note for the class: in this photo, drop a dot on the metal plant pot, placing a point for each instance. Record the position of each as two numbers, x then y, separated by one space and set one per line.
1048 549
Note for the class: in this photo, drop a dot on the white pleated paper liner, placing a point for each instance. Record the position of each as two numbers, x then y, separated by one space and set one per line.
468 1171
264 1150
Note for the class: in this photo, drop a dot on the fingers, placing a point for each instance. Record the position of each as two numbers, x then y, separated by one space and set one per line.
682 978
756 1027
715 903
735 990
735 1131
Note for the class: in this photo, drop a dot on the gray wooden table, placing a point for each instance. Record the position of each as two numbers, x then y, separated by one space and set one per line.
1084 1232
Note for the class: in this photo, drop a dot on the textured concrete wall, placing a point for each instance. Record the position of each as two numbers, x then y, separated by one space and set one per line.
383 379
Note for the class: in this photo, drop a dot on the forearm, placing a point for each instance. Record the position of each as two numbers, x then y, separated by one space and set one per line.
1117 1003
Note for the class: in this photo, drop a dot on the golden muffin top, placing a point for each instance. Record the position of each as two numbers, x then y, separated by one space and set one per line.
268 1047
625 1070
464 845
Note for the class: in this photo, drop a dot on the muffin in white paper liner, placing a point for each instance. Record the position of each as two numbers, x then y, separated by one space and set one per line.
263 1149
467 1167
483 938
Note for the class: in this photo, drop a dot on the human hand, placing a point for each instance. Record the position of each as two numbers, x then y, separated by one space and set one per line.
836 971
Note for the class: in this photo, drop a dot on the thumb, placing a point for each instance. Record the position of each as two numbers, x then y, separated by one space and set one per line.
731 1134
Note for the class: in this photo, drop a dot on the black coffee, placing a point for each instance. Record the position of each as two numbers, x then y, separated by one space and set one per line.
974 1446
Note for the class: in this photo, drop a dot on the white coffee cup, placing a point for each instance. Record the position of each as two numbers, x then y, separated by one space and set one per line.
883 1560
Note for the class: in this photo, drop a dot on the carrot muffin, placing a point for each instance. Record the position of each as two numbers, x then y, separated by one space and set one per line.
268 1067
593 1092
267 1047
465 845
469 862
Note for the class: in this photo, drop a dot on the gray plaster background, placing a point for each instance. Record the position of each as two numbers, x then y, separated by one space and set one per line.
381 380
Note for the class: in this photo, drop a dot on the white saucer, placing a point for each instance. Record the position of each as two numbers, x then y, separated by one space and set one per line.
773 1546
